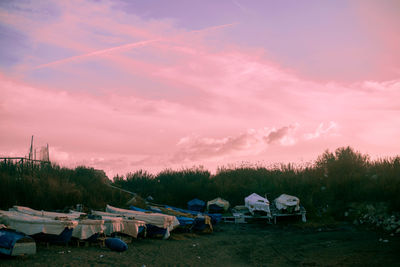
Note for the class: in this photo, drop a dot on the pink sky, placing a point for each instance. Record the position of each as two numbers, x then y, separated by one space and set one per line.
128 85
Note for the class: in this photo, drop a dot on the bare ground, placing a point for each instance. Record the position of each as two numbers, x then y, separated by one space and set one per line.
256 244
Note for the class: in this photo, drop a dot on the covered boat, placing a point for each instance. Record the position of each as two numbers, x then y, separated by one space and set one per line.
164 223
196 205
217 205
256 204
57 230
184 219
116 223
190 221
15 243
287 203
215 217
84 229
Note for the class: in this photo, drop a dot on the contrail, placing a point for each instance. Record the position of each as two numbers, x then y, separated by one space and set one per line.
214 27
121 47
98 52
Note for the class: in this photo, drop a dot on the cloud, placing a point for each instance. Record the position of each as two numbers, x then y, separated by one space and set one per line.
321 131
192 148
187 98
283 135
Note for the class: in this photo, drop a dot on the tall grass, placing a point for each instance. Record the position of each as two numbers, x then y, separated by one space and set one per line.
331 184
50 187
334 181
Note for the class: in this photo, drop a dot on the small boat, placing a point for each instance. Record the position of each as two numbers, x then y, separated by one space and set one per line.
217 205
196 205
162 223
84 229
42 228
258 205
13 243
192 221
115 223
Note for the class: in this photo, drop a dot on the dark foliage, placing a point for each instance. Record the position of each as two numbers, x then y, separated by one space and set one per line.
331 184
49 187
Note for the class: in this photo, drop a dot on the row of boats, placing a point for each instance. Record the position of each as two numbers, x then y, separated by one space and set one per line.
21 226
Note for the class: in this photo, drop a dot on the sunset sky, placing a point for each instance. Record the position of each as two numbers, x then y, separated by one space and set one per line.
128 85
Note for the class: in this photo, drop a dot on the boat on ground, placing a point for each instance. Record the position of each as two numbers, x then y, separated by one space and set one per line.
35 226
116 223
156 223
258 205
13 243
85 227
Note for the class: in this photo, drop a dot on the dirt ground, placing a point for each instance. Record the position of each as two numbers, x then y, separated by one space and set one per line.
255 244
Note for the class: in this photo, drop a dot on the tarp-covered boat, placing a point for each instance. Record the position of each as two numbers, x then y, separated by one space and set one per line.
191 221
165 223
116 223
84 229
287 203
58 230
217 205
183 218
215 217
257 203
15 243
196 205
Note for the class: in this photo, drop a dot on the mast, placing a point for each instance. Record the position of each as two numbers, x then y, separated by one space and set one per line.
31 149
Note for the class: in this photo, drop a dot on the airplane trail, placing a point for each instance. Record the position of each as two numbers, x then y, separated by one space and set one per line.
122 47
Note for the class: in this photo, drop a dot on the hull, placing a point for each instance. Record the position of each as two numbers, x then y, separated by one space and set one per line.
14 243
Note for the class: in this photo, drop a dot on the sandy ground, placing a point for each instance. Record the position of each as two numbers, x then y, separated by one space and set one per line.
257 244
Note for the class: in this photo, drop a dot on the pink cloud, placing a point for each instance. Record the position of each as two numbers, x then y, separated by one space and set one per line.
178 101
320 131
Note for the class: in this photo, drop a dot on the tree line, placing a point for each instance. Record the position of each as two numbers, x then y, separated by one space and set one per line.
334 181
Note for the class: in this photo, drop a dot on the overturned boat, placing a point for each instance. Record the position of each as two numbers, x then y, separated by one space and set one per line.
13 243
187 221
116 223
156 223
84 227
55 230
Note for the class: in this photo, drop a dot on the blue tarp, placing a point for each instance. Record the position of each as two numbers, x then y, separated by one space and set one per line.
215 217
8 238
138 209
64 237
196 205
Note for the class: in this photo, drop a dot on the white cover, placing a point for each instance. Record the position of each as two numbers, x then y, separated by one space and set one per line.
284 201
113 224
160 220
31 225
47 214
126 226
256 202
84 229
